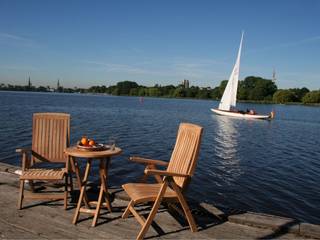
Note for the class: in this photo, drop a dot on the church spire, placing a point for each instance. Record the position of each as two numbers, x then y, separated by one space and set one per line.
29 83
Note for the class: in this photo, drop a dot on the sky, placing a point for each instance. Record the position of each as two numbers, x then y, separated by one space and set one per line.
86 43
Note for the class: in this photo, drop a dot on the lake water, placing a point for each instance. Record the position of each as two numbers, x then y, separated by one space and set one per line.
263 166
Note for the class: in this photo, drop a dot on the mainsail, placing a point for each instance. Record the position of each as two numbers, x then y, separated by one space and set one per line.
229 97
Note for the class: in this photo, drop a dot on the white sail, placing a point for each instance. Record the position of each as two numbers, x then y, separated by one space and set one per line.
229 97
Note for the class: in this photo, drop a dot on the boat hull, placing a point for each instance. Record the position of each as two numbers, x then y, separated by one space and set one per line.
240 115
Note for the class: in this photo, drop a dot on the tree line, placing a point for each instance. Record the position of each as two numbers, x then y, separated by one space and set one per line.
252 88
29 88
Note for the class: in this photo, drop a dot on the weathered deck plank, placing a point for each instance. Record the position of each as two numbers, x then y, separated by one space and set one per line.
51 221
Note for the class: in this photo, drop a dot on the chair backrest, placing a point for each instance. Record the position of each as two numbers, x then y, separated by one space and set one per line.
185 153
50 136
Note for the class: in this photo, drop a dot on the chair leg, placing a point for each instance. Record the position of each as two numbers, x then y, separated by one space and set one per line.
21 194
153 211
185 208
31 185
70 182
65 204
127 211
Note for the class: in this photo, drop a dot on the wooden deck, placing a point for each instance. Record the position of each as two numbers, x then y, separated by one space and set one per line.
51 221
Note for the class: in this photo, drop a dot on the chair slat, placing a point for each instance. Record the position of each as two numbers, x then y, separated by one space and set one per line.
185 152
51 136
183 160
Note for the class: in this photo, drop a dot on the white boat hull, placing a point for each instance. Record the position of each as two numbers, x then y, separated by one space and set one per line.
240 115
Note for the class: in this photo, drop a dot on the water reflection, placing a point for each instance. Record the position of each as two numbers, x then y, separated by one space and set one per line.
226 140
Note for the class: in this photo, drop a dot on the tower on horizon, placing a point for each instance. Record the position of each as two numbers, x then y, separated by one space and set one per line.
185 83
29 83
274 75
58 84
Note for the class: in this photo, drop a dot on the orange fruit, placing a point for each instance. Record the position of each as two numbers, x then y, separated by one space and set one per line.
84 141
92 142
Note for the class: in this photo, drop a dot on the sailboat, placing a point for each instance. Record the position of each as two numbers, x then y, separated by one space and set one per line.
227 106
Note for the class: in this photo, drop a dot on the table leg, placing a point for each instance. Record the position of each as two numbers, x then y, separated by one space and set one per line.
103 172
97 212
82 191
105 184
76 169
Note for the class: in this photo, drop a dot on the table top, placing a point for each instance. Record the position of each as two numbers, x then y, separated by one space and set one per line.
76 152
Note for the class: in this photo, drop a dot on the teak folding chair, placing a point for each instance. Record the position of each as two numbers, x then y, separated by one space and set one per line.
171 182
50 137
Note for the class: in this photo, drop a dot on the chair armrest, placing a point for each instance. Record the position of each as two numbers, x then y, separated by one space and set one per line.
23 150
164 173
25 161
148 161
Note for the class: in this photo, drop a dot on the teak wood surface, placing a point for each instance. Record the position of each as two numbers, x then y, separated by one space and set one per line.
50 137
104 157
171 182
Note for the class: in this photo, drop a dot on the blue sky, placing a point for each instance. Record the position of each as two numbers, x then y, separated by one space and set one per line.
85 43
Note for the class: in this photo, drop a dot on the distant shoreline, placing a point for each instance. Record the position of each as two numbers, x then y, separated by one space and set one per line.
164 97
252 90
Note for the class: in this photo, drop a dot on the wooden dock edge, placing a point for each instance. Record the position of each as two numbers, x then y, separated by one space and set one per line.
259 220
276 223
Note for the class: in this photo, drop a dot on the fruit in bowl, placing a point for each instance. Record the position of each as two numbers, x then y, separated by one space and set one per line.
86 142
89 144
92 142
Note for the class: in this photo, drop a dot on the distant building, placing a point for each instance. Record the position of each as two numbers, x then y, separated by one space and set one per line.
58 85
185 83
29 83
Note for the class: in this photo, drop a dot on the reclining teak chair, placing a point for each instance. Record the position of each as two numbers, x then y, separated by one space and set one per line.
171 182
50 137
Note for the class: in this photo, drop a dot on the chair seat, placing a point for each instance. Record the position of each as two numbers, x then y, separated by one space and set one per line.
141 192
43 174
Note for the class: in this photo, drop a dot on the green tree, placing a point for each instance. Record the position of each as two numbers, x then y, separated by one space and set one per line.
153 92
256 88
299 93
142 91
125 86
192 92
115 91
112 90
179 92
168 91
215 93
203 94
283 96
312 97
134 92
222 86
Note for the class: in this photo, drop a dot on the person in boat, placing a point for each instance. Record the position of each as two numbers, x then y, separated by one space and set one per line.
252 112
233 109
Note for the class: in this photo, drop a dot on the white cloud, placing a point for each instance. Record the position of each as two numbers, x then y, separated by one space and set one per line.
10 39
112 67
18 68
289 44
200 70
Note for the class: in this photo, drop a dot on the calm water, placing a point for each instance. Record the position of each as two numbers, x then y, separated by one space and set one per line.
271 167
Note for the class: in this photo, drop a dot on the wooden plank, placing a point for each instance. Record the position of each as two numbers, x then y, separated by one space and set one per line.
86 210
43 196
52 222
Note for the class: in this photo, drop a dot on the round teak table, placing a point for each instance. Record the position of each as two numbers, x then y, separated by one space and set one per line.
104 157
